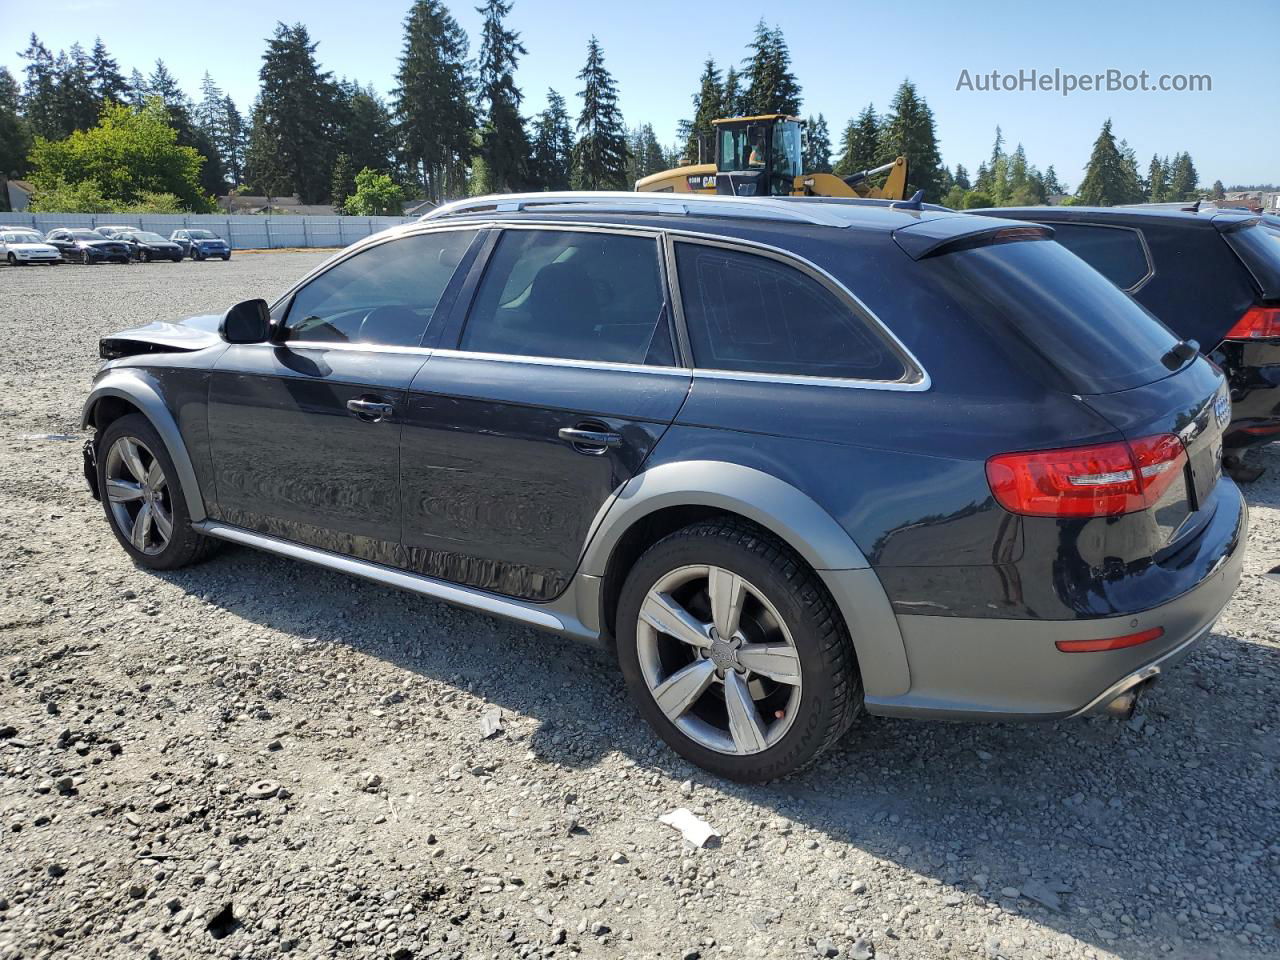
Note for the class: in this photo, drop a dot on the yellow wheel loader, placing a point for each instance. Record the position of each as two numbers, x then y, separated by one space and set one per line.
762 157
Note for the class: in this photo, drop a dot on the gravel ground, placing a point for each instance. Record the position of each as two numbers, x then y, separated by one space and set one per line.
254 757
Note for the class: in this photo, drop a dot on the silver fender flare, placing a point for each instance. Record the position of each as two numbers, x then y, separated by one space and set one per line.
141 391
795 518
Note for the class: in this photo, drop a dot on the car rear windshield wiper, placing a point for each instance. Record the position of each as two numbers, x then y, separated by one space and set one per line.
1183 351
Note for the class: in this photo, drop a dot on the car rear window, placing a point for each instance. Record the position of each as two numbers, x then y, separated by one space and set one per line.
1259 248
1092 333
1115 252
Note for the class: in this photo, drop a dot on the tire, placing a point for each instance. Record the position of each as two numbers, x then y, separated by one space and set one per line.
13 261
84 258
145 256
196 256
226 257
165 498
786 605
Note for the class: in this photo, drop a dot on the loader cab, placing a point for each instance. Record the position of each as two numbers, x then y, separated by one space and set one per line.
758 156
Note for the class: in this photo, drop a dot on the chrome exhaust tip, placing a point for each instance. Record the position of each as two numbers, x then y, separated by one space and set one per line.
1123 706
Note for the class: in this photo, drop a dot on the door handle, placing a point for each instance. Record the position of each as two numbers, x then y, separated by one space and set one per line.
372 411
586 440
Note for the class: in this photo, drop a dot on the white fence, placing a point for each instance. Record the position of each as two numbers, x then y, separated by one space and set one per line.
243 233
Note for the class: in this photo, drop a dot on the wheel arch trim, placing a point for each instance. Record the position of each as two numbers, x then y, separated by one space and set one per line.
791 515
141 391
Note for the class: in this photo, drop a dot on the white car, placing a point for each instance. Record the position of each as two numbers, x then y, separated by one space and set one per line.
26 246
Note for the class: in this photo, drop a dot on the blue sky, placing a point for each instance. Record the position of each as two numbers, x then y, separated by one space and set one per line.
846 53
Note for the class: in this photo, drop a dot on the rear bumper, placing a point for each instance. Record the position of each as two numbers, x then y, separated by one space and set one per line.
977 668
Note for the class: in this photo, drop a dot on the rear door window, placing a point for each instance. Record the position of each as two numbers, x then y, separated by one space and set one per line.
752 313
1115 252
383 295
572 295
1259 248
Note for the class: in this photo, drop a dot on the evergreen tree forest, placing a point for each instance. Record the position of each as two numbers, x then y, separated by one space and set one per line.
456 122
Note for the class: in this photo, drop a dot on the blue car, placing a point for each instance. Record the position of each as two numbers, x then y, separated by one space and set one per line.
201 244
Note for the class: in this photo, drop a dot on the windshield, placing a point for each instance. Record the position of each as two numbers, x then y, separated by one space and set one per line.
201 235
786 151
83 235
148 236
22 237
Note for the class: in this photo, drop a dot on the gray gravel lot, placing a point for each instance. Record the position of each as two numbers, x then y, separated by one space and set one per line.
141 713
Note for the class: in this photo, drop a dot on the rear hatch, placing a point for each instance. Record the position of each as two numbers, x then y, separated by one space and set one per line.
1081 335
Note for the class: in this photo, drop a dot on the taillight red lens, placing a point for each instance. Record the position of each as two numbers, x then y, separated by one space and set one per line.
1102 480
1258 323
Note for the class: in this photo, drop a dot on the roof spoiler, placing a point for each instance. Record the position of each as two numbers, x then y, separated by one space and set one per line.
1230 222
927 238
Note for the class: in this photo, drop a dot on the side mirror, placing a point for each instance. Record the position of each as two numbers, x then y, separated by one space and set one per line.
247 322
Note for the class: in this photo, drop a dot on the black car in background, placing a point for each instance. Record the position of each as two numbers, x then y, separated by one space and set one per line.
87 246
148 246
199 244
1212 276
790 460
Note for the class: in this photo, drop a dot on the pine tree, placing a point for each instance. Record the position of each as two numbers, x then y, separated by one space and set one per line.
1157 180
553 145
860 144
771 86
1133 186
78 105
908 131
1219 192
137 92
234 143
1052 185
962 177
600 155
40 92
432 100
1107 180
731 98
647 155
108 82
297 112
708 105
504 143
817 146
367 132
1183 178
210 113
15 133
344 181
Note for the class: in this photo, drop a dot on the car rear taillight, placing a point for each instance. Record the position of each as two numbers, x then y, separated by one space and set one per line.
1102 480
1258 323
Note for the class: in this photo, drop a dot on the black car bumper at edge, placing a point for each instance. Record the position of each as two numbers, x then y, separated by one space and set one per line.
1253 373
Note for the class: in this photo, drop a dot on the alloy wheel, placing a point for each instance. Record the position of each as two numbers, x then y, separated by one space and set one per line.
718 659
139 495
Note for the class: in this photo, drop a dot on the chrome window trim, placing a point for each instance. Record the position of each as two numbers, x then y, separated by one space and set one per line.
296 345
565 362
1142 240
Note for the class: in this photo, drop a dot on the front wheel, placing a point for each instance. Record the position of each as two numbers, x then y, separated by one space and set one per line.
734 651
143 498
13 261
226 256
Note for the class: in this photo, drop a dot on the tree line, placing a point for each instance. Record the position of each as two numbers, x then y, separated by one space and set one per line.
453 125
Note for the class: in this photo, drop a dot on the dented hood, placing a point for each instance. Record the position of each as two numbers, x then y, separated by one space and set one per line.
193 333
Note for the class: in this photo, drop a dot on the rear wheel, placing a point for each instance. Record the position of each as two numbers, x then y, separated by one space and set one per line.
733 650
144 501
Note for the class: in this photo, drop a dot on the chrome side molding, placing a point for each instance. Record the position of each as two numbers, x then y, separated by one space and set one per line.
414 583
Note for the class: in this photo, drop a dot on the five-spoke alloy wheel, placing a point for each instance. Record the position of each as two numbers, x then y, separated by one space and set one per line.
143 498
734 651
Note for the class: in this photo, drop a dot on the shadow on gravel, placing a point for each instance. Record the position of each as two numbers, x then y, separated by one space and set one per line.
1126 835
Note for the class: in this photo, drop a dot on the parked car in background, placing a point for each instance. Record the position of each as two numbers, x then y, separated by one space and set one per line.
112 232
86 246
1210 275
20 247
201 244
790 460
148 246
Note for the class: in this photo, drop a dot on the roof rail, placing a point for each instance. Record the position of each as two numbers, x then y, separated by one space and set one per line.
609 201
